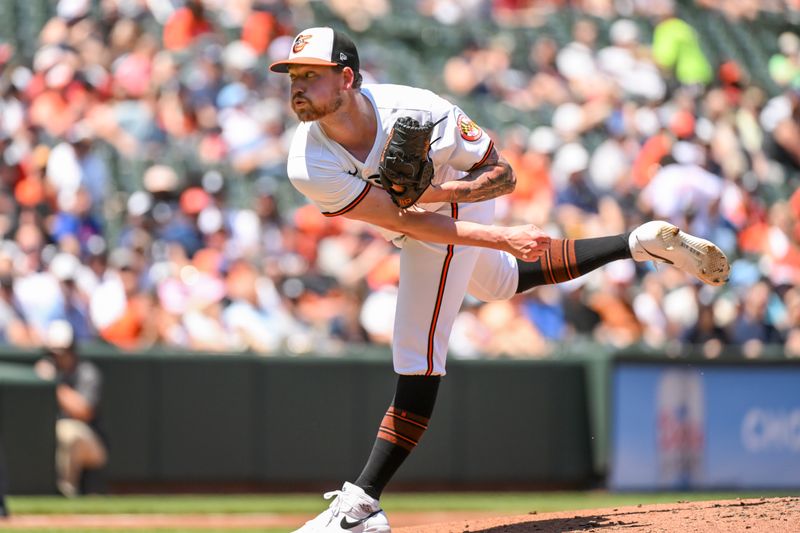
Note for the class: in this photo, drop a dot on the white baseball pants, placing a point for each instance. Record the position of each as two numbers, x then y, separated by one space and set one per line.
434 278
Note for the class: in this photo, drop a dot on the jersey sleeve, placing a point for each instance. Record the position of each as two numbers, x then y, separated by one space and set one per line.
330 187
89 383
462 144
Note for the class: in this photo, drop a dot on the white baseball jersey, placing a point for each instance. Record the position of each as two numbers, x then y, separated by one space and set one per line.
433 277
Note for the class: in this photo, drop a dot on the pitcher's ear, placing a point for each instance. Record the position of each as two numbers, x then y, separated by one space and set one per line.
349 77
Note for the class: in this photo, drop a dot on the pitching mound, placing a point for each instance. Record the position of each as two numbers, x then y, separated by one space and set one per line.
746 516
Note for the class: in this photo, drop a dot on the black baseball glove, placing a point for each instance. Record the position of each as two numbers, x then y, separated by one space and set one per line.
405 170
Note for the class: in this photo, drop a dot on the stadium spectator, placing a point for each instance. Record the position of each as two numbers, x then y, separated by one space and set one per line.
547 86
618 326
754 325
14 329
260 28
784 66
707 333
174 155
509 332
512 13
741 9
781 121
67 269
676 49
529 156
185 25
121 311
629 63
359 14
256 315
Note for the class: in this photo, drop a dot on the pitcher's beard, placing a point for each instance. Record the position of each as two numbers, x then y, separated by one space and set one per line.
311 112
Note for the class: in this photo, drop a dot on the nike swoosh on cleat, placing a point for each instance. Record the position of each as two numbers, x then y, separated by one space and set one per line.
667 261
350 525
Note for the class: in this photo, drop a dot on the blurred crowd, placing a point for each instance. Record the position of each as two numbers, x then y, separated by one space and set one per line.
145 201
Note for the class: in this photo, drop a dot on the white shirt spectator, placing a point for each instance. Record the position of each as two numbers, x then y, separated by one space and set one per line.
256 328
108 302
40 299
637 77
63 168
676 189
12 115
608 164
377 314
575 61
469 336
777 110
264 327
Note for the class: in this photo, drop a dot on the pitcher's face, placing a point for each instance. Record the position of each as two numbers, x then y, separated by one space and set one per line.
316 91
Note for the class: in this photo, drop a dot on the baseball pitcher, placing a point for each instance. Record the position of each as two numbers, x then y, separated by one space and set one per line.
415 166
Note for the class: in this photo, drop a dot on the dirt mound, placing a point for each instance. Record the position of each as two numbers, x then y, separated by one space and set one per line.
762 515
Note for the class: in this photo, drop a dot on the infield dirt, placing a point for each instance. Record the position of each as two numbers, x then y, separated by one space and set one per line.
762 515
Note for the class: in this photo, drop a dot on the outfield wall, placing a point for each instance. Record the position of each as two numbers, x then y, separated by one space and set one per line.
27 430
309 421
177 420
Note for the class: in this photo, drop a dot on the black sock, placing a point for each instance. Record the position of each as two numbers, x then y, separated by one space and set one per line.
400 431
570 258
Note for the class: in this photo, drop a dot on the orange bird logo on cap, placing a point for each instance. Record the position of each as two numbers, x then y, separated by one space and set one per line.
300 43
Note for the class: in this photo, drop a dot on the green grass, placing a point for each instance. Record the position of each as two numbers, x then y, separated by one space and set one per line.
166 504
506 502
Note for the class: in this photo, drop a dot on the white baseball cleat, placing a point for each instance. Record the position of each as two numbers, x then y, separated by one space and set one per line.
352 510
663 242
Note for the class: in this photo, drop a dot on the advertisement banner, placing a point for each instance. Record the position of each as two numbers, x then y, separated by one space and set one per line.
705 426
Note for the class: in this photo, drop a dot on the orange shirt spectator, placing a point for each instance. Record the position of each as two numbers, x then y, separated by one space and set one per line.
185 25
753 237
259 29
133 327
128 330
533 177
619 325
646 163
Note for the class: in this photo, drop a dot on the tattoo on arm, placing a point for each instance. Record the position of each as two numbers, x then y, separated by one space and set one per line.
494 178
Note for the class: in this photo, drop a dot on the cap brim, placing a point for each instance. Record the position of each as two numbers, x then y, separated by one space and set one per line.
283 66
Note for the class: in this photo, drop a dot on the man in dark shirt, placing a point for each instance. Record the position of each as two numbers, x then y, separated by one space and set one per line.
79 446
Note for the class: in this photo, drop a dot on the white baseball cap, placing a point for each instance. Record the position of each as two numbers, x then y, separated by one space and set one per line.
320 46
59 335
